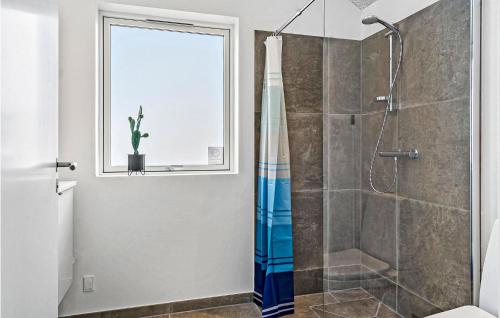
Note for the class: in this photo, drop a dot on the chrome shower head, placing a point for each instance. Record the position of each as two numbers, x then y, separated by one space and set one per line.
372 19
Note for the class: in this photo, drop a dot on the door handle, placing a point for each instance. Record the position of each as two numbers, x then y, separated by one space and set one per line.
63 164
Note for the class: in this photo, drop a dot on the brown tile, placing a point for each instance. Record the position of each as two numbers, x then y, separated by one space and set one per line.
366 308
441 134
211 302
411 306
344 152
350 294
302 68
375 71
383 168
343 220
378 227
163 310
303 73
386 312
305 133
303 303
360 308
343 76
382 288
306 314
236 311
307 221
320 313
437 53
144 311
335 284
434 253
308 281
337 278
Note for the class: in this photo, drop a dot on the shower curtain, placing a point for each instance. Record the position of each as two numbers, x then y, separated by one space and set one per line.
274 246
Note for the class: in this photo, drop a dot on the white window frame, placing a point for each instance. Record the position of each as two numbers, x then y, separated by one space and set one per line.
108 19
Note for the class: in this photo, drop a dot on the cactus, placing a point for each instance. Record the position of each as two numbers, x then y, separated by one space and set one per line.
135 125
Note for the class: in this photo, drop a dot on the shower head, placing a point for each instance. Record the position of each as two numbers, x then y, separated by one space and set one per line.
372 19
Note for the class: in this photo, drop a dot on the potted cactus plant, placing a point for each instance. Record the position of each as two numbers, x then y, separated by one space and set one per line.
136 161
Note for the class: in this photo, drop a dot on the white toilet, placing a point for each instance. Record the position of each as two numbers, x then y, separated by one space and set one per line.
489 296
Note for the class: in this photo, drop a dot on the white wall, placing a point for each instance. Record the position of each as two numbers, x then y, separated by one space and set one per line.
340 24
342 20
158 239
490 97
392 11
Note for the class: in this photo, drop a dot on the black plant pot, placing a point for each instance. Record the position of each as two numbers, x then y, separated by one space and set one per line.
136 163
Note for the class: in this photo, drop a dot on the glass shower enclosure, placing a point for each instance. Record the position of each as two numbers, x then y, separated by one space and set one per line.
398 224
377 232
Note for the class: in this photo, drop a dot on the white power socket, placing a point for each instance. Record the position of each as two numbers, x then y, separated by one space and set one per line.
88 283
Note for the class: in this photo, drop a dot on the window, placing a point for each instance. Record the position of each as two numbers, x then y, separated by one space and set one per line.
180 74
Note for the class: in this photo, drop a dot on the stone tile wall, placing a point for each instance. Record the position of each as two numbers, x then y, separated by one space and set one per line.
423 230
303 80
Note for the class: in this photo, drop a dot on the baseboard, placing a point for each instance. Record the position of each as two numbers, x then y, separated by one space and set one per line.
169 308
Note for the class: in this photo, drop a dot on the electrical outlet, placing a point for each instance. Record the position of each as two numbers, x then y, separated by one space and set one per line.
88 283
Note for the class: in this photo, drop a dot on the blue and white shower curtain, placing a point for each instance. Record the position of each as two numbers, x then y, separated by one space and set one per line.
274 245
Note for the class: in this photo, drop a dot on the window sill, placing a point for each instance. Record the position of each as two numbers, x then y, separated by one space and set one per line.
166 174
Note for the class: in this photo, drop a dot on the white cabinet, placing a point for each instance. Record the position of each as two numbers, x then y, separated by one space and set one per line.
65 250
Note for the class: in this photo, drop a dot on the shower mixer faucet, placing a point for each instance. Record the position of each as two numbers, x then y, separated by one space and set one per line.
384 99
411 154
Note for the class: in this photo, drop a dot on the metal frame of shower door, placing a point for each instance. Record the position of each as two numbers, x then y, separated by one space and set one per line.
475 146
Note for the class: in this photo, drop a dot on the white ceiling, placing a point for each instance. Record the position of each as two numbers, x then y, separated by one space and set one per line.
362 3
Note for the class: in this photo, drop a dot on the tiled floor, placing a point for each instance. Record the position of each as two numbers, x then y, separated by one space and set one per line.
352 303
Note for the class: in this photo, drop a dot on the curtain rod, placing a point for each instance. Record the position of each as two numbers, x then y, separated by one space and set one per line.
295 16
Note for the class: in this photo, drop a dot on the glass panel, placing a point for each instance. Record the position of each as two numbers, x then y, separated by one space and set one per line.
178 78
406 252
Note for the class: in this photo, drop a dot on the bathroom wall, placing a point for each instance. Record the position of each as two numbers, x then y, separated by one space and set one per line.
490 117
152 240
423 231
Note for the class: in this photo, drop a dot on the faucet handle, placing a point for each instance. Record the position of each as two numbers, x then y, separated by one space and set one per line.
382 99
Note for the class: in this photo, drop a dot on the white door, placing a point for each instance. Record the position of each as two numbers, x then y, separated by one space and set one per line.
29 74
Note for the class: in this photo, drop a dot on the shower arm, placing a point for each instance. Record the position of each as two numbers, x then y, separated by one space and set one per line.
295 16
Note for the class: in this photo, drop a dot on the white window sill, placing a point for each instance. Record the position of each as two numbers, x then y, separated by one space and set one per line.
166 174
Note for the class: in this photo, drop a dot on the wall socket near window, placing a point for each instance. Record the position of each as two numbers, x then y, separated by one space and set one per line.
88 283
